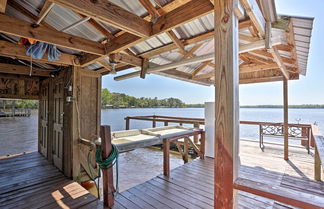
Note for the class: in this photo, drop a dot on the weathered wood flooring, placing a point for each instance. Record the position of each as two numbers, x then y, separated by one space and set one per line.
191 185
30 181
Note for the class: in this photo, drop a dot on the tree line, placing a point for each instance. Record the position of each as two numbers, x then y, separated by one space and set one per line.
118 100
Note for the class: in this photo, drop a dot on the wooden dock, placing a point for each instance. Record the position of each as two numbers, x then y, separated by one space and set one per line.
191 185
30 181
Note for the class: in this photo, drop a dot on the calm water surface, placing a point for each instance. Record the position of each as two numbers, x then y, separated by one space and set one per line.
20 134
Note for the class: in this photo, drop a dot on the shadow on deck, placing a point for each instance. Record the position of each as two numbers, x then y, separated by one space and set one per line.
30 181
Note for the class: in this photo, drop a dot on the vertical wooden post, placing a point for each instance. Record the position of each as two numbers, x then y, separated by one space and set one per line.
127 123
186 150
196 125
166 157
317 165
107 174
285 95
202 144
226 104
153 122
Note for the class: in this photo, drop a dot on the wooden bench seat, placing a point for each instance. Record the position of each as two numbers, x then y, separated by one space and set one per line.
281 194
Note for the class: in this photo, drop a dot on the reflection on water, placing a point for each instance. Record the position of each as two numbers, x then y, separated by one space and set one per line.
18 134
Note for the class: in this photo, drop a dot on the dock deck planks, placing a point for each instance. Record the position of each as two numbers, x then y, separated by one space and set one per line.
30 181
191 185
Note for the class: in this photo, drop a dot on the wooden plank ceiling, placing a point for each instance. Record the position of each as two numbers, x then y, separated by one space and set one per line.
267 53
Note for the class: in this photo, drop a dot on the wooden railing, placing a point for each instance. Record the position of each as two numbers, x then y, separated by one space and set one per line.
270 129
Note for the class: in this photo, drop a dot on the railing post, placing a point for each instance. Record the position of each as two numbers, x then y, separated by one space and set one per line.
317 165
107 174
166 157
127 123
153 122
185 150
196 125
202 144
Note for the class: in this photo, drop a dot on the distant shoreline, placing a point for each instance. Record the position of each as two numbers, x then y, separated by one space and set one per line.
245 107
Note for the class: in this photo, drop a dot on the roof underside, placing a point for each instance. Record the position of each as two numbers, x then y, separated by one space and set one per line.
195 39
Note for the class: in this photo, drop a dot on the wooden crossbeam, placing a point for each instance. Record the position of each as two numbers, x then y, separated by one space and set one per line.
253 10
177 41
44 8
255 68
201 67
180 15
109 13
22 28
278 60
26 12
125 58
150 8
8 49
3 5
23 70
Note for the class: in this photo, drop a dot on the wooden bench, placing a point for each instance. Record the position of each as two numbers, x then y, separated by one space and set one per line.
319 152
285 195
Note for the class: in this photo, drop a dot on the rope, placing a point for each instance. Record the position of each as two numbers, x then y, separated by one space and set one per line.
109 162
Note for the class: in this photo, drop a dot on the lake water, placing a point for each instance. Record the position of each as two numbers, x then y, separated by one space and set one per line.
19 134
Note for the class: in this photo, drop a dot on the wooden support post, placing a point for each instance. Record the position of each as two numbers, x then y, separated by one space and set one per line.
202 144
127 123
196 125
166 157
154 122
107 174
226 104
186 150
317 165
285 98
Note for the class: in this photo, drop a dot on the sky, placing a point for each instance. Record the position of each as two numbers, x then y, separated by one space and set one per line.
308 89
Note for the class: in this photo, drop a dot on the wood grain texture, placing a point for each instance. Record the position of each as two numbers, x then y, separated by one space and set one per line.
3 5
226 103
22 28
23 70
110 14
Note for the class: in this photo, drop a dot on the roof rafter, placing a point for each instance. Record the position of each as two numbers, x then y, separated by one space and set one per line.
22 28
180 15
22 70
109 13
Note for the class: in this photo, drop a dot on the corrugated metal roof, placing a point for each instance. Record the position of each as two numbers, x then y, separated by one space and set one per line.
302 32
60 17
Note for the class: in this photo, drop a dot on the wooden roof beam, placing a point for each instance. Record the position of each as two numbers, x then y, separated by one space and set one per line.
8 49
180 15
177 41
254 12
125 58
278 60
23 70
109 13
3 5
150 8
22 28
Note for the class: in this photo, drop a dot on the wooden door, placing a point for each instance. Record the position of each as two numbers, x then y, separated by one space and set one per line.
43 119
58 94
